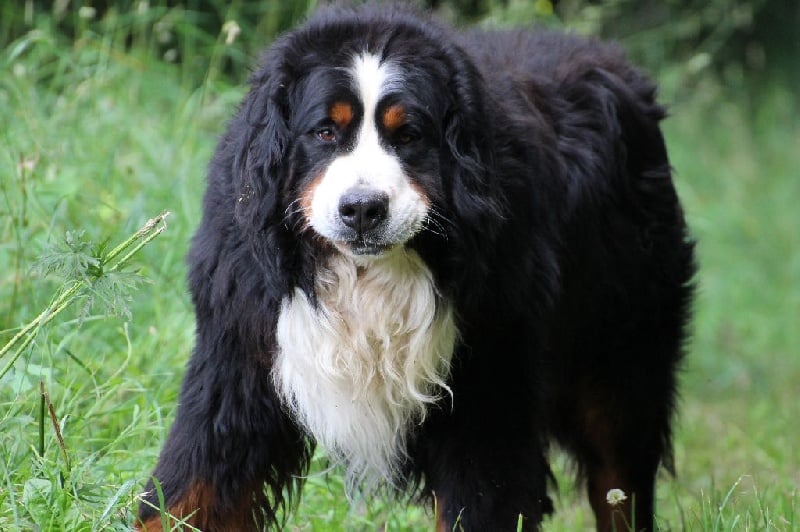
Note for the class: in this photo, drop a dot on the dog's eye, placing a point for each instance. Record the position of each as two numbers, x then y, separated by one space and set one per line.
325 134
405 136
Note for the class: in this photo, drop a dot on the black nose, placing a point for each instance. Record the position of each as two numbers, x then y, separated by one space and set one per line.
363 209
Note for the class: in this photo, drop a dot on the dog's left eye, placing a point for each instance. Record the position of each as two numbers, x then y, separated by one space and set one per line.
325 134
405 136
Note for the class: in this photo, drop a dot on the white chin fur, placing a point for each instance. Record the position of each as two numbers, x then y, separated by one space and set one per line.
361 368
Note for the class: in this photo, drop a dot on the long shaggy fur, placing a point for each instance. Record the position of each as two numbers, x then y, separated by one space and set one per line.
434 255
375 373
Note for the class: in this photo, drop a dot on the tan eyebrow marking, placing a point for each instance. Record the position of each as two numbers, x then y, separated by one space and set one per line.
393 117
342 114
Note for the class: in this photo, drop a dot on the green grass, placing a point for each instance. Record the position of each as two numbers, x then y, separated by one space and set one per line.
99 138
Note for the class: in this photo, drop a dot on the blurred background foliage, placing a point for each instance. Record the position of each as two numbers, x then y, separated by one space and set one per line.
748 44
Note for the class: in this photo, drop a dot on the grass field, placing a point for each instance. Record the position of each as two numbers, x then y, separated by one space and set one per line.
96 138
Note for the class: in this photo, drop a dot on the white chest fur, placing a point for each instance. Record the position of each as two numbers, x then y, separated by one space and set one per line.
360 368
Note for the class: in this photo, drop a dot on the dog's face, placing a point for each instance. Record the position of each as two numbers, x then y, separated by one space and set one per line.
362 140
367 155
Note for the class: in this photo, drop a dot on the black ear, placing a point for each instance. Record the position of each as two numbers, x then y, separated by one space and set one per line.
476 204
239 242
468 134
261 142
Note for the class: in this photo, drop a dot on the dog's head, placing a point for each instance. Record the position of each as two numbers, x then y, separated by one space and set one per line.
371 175
363 130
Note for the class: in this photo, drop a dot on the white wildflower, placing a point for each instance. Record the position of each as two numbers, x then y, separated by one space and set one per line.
87 12
615 496
231 29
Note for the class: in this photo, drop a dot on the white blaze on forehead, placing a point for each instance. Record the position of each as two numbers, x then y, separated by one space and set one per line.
373 80
369 164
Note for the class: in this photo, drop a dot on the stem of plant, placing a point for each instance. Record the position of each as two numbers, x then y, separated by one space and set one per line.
146 233
47 315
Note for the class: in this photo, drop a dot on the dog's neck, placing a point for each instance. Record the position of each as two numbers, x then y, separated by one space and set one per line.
367 361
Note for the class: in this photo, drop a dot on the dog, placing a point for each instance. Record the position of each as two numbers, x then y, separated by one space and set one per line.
436 255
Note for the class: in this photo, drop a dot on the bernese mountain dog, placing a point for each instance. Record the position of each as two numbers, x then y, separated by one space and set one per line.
434 255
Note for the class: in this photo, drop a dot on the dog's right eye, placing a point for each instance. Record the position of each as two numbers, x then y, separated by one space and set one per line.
325 134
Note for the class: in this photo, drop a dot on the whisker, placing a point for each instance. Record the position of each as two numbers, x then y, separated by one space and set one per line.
290 208
295 216
435 212
434 226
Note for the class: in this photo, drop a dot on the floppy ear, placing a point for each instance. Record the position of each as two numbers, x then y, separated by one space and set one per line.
241 238
261 144
476 205
476 196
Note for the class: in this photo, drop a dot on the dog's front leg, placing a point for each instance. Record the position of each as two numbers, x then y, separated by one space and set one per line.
232 455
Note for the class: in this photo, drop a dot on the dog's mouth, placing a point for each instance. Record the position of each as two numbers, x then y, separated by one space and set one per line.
368 249
363 248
